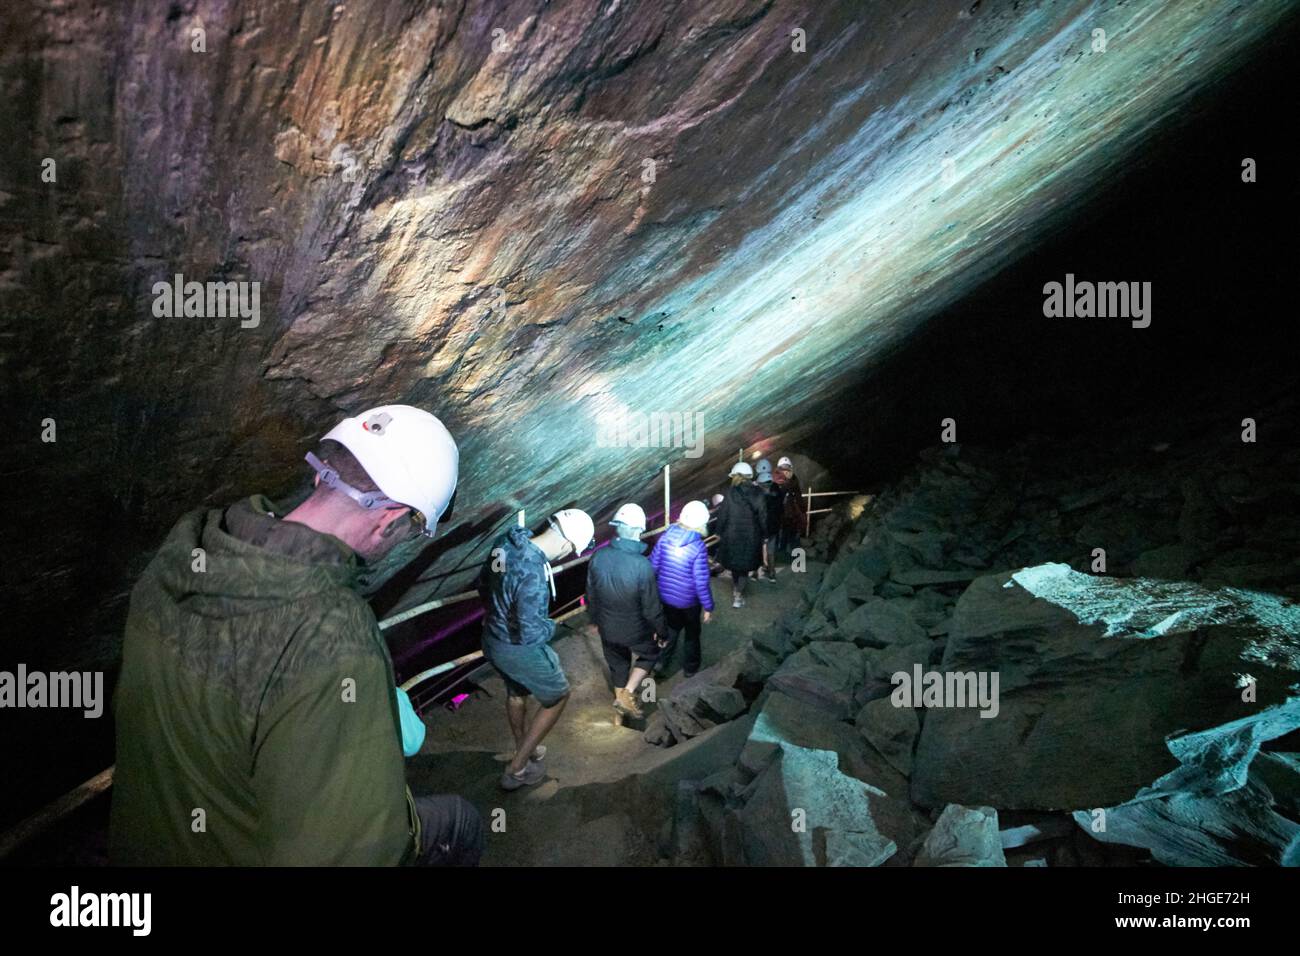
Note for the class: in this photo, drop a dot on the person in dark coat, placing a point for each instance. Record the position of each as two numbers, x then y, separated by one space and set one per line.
681 563
623 600
773 500
741 520
793 515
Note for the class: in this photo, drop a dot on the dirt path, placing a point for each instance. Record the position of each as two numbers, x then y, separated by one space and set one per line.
608 792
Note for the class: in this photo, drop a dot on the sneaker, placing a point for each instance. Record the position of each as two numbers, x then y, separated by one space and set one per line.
737 601
626 704
533 773
538 755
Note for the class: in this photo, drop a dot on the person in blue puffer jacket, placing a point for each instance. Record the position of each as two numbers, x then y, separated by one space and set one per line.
681 563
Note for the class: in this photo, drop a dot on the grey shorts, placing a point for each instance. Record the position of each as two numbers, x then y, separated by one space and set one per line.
528 669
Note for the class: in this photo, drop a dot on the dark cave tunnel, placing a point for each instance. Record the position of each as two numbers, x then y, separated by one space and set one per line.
1000 447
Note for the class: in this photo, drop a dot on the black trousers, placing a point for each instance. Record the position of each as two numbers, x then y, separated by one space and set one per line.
452 832
683 621
619 658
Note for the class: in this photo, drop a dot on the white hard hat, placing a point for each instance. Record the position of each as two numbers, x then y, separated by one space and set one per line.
576 527
408 453
784 462
695 514
742 468
631 515
718 499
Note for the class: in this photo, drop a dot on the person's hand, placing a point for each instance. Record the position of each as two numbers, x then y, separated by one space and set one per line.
706 617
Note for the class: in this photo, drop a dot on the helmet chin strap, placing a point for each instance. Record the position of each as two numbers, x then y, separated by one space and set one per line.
369 500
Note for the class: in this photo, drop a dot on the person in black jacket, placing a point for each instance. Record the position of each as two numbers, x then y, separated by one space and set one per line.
774 504
623 600
742 519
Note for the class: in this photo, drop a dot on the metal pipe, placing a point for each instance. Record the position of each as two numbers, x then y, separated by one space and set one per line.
419 609
53 812
423 676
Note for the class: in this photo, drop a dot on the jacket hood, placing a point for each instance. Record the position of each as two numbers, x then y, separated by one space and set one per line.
680 534
518 545
628 545
251 561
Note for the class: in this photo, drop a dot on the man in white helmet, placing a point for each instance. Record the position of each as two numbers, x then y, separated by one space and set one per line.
517 589
623 601
256 686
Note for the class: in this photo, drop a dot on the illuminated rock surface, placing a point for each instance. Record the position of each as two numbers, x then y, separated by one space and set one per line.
437 220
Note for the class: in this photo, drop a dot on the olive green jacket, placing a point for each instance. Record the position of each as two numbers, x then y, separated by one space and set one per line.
256 719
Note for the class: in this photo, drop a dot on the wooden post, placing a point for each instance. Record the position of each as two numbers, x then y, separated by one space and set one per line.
667 496
521 518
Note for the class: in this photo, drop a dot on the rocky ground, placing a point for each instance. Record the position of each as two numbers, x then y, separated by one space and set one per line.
1148 695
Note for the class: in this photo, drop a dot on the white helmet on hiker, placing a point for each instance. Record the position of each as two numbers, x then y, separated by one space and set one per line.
695 514
408 453
631 515
576 527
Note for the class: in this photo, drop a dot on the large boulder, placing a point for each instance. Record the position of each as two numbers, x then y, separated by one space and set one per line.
1094 674
891 730
802 811
704 700
825 674
963 836
1226 804
880 623
881 664
784 720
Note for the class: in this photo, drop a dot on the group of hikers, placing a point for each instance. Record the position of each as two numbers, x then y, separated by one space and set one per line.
257 718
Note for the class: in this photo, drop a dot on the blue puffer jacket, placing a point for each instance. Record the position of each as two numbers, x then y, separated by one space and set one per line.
515 591
681 562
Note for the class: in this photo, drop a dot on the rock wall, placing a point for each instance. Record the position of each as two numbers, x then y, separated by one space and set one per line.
523 214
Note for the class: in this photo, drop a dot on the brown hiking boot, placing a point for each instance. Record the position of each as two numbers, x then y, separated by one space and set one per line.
625 703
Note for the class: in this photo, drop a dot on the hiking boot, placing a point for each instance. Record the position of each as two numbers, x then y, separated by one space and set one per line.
626 704
533 773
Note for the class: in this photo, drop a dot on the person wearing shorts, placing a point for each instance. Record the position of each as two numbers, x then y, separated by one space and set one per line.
516 587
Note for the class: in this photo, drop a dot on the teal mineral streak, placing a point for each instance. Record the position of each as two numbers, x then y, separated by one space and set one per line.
1149 608
1030 129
